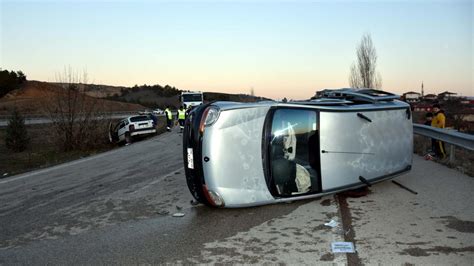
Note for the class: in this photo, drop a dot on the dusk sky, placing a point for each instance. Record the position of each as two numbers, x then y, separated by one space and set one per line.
278 48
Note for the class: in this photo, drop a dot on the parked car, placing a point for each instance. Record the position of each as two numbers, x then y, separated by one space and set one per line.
131 127
158 112
146 112
247 154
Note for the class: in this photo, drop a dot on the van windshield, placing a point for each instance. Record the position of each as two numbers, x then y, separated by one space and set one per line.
294 151
192 97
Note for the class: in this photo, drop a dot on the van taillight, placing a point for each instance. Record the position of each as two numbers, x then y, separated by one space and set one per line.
131 127
213 197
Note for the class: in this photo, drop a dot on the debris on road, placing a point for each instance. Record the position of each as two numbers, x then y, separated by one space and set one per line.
404 187
178 207
342 247
5 174
178 214
332 224
163 212
194 202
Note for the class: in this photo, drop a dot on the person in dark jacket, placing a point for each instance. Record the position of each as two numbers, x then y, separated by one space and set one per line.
439 121
431 151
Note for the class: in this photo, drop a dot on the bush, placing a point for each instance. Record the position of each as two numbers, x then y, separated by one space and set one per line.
16 135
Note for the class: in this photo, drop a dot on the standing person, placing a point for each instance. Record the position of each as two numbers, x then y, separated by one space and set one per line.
439 120
181 118
428 119
169 118
188 109
431 152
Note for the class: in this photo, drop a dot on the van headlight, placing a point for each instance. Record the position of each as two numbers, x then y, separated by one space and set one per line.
212 115
209 117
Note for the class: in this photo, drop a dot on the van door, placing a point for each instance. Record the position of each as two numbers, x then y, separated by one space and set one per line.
122 129
371 144
293 151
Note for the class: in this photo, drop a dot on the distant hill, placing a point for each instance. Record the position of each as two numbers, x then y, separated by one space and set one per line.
28 98
157 96
31 96
100 91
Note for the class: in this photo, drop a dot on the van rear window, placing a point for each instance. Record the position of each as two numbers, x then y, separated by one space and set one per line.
140 118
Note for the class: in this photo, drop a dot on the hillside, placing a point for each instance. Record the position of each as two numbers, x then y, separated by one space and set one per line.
32 96
99 91
158 96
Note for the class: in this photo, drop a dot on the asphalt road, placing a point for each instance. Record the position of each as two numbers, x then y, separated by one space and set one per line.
117 207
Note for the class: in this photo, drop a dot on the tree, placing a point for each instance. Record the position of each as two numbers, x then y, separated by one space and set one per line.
455 113
16 135
10 80
76 118
363 72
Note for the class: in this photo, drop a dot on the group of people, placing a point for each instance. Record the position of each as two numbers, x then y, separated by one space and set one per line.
182 113
436 119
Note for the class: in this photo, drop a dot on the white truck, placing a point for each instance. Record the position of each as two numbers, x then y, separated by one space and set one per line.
191 98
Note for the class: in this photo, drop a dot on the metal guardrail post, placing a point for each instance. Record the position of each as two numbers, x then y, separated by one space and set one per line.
452 150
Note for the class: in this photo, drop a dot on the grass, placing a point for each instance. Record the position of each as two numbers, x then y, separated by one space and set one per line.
43 152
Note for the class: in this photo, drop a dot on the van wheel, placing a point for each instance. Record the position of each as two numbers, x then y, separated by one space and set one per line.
128 138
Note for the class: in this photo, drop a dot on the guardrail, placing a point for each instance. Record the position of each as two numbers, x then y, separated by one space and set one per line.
450 136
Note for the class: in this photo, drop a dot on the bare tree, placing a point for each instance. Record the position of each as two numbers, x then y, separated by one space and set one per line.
76 117
363 72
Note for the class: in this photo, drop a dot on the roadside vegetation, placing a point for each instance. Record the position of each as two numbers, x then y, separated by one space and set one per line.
43 151
78 127
10 80
16 135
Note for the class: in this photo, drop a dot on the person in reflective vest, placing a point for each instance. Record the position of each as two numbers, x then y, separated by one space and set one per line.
181 118
169 118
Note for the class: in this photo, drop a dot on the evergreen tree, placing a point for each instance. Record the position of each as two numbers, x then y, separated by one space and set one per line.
16 137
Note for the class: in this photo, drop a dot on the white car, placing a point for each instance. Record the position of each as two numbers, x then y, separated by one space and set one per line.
130 127
158 112
146 112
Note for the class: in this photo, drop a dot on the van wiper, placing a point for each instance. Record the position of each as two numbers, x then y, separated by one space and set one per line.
348 152
364 117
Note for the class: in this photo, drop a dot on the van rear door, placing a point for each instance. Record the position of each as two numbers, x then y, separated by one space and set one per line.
373 144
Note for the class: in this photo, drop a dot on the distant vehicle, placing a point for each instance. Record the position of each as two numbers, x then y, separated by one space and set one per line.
146 112
158 111
248 154
191 98
131 127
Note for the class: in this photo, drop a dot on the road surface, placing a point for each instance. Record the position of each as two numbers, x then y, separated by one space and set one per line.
117 207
